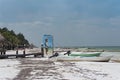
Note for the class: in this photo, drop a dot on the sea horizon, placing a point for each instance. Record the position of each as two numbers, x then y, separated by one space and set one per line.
106 48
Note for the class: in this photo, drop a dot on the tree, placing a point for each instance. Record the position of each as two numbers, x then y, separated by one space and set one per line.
12 33
5 29
12 38
22 39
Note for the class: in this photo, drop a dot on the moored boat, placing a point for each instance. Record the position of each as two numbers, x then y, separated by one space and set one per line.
115 59
89 59
86 54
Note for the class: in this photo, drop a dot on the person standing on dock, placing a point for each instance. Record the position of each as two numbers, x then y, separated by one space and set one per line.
46 46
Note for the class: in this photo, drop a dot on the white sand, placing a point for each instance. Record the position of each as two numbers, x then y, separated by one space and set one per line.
90 71
8 69
80 70
77 71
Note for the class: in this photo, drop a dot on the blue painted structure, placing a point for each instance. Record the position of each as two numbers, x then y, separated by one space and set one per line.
50 40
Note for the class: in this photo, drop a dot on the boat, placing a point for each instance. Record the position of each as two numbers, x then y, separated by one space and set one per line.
88 59
115 59
85 54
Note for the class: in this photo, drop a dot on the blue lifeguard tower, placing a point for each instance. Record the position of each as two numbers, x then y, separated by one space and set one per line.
50 42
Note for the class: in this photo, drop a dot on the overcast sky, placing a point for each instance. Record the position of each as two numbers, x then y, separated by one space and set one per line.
71 22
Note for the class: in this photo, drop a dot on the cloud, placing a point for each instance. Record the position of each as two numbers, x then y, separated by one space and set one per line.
79 22
68 31
115 21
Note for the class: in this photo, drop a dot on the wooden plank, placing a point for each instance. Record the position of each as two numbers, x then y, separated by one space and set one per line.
19 55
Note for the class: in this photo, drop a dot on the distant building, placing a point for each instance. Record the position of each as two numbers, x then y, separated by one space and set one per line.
4 44
1 38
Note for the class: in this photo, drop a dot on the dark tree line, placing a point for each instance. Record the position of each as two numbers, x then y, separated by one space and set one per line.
13 38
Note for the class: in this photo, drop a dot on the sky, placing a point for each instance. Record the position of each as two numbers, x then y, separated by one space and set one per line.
71 22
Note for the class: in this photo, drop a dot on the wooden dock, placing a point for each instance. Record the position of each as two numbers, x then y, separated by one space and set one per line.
3 56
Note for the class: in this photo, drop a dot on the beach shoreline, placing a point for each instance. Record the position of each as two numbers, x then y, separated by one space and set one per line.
31 68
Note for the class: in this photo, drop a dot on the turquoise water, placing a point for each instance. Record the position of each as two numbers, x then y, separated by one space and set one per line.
105 48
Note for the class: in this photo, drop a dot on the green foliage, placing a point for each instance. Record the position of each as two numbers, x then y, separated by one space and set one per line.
14 39
22 39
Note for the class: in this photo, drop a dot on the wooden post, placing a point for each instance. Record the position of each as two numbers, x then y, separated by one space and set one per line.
17 54
4 52
42 50
24 53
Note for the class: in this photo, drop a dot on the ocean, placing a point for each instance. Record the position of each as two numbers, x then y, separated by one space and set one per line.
105 48
96 48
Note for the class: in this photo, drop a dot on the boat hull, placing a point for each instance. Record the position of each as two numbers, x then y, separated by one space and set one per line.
86 55
88 59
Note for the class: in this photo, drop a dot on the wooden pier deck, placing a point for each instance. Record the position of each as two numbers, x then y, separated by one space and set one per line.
3 56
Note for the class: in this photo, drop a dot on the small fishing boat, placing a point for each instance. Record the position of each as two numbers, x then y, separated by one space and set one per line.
85 54
115 59
89 59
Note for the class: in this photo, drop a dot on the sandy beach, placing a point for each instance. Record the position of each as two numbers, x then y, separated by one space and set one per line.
46 69
59 39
